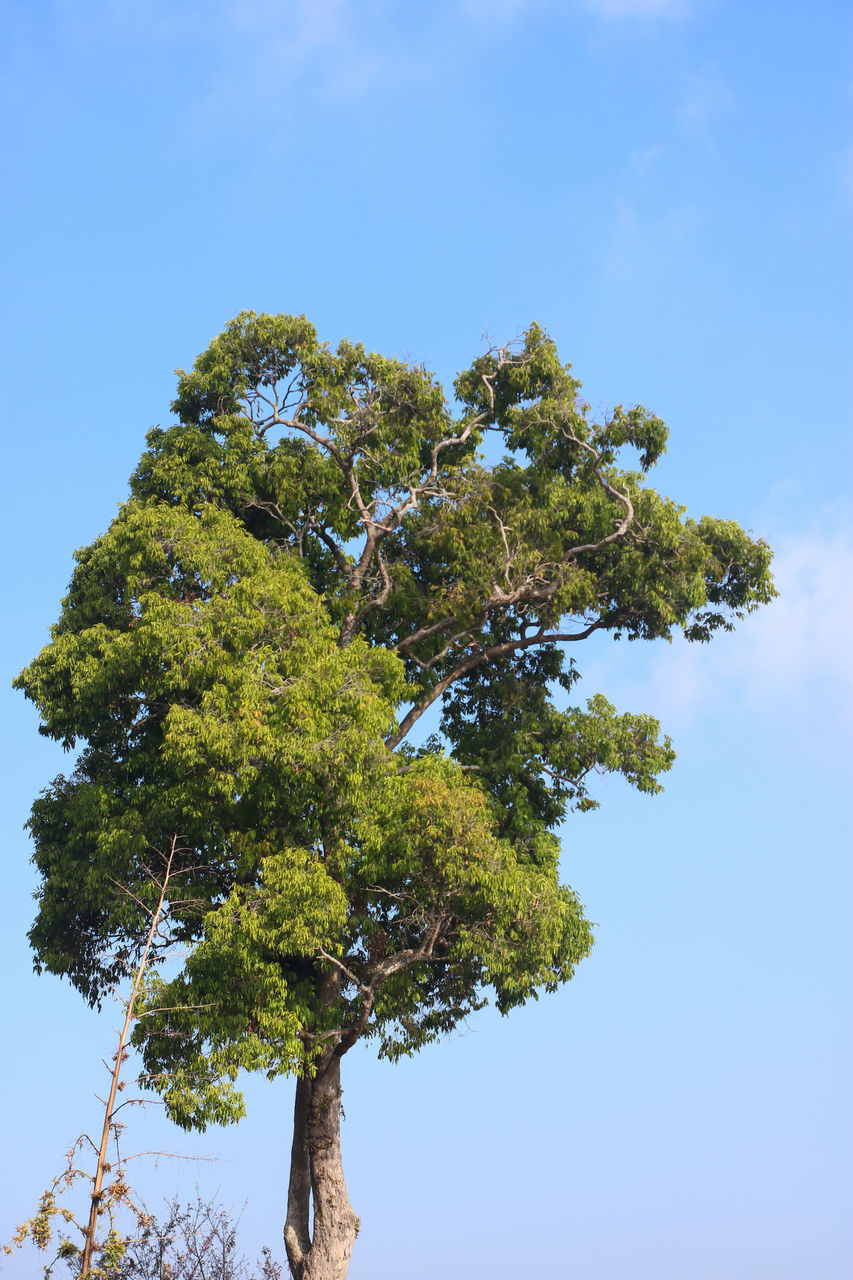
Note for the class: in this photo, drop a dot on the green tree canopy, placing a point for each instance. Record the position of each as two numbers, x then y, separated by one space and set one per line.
315 553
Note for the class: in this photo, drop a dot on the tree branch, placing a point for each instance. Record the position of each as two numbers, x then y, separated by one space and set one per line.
476 659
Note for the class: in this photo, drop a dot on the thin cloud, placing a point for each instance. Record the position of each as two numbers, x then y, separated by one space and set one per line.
707 98
321 41
265 46
285 60
845 174
502 10
801 645
789 661
637 8
499 10
645 161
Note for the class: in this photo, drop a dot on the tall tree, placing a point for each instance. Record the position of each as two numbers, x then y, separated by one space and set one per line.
320 549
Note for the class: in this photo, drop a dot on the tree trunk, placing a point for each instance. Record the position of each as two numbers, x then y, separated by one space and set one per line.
317 1180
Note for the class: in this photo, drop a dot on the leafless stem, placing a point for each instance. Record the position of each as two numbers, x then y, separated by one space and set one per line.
109 1109
475 660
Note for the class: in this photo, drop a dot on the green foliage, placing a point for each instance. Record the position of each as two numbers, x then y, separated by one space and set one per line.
311 556
47 1228
214 699
186 1242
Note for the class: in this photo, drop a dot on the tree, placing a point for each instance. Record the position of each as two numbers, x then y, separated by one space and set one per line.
111 1195
195 1241
313 555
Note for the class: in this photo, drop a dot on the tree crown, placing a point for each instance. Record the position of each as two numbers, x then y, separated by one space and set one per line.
313 555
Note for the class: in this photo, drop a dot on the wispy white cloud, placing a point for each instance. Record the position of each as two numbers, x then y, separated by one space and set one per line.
609 9
499 9
643 161
287 52
275 61
650 239
637 8
662 208
845 174
706 99
800 647
257 48
789 661
321 42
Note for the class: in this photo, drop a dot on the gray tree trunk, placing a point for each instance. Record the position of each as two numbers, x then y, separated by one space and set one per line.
317 1181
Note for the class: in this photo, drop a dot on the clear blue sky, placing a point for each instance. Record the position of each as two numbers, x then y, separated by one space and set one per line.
667 185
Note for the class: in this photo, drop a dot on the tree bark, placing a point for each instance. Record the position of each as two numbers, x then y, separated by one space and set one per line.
297 1227
317 1180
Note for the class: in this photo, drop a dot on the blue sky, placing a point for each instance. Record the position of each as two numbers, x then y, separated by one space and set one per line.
667 185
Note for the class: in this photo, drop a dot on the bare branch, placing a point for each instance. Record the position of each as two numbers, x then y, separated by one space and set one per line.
485 655
343 969
101 1167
